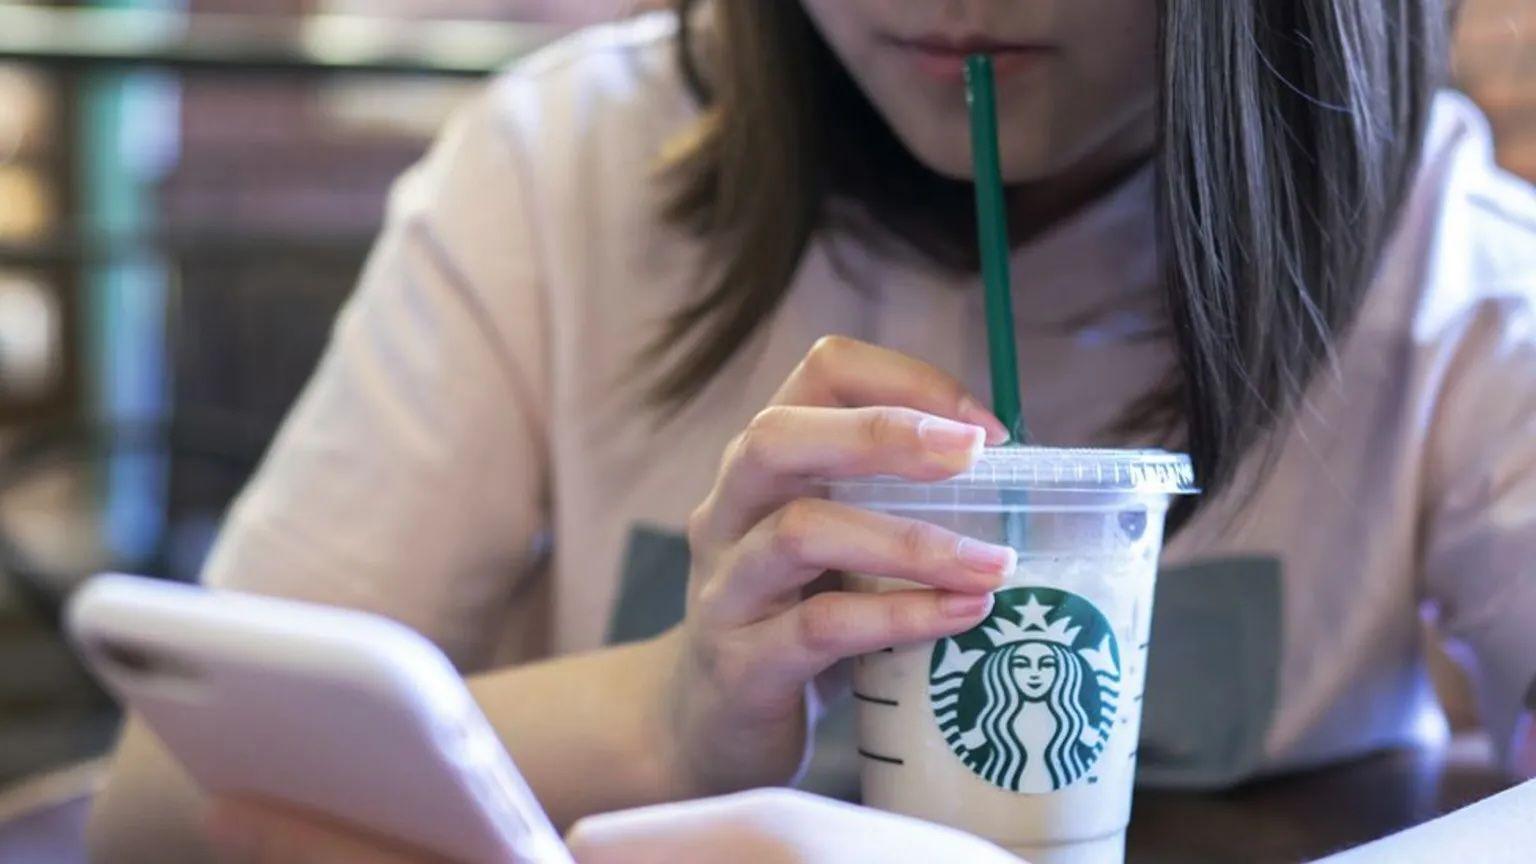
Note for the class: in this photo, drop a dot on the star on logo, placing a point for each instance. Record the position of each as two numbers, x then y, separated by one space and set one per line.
1102 658
1032 625
1032 613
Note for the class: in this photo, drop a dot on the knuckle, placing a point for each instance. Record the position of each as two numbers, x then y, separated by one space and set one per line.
827 351
821 626
876 429
769 420
705 594
698 526
887 428
750 453
728 455
753 448
732 666
904 620
581 839
795 529
914 540
952 390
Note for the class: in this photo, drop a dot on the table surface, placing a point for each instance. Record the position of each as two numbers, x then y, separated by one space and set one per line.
1291 819
1310 815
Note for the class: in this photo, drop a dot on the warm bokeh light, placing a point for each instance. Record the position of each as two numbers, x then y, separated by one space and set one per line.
1496 65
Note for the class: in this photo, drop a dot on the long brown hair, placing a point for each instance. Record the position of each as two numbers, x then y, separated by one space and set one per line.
1288 136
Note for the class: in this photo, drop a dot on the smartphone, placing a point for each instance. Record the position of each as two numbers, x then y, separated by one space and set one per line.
330 710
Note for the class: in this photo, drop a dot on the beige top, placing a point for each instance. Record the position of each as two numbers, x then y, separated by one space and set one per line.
468 458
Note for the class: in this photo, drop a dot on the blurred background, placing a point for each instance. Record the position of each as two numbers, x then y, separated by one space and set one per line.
187 191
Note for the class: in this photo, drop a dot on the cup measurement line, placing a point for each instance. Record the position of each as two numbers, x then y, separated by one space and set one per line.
875 700
889 760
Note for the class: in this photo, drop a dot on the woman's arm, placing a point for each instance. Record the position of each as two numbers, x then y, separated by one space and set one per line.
409 479
148 810
719 703
584 729
1480 528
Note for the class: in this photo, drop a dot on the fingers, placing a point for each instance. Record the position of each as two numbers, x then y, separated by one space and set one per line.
843 372
763 826
245 832
781 653
766 571
680 833
784 450
771 826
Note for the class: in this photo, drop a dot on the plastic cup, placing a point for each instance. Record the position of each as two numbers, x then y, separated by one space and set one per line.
1023 730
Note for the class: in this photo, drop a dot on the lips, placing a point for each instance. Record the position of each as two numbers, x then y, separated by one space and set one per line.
942 57
964 45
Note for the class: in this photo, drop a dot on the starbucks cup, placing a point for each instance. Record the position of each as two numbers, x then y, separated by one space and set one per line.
1023 730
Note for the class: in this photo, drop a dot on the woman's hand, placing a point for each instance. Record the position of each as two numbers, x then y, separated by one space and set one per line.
243 832
762 623
769 826
772 826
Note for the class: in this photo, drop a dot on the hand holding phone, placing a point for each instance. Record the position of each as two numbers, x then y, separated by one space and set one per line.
325 710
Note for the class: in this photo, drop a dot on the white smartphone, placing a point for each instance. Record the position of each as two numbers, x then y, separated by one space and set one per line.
334 711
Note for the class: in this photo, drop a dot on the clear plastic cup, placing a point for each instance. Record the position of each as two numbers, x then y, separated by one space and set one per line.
1023 730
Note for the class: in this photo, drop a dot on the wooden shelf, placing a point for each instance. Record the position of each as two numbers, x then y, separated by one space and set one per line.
249 43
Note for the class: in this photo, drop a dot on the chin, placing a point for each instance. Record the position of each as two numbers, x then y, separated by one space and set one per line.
950 156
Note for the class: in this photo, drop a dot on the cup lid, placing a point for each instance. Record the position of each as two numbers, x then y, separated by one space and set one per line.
1066 469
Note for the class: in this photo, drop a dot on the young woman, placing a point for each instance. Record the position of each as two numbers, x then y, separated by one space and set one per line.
1250 230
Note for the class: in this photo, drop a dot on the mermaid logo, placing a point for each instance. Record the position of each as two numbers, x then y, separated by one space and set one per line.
1027 699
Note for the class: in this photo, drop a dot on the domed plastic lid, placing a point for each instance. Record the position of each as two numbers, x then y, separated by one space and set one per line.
1149 472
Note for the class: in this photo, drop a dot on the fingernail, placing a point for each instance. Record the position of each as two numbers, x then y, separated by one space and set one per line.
972 412
965 605
985 556
947 436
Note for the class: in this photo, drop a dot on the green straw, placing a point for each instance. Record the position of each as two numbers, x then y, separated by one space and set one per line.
992 229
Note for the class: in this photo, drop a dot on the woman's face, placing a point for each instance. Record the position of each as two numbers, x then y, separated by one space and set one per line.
1076 79
1034 668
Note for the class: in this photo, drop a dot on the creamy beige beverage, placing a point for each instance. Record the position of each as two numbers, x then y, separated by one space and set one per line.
1023 730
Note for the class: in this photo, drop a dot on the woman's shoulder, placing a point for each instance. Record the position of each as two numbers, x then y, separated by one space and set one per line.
611 88
1469 227
1455 299
545 177
633 42
588 113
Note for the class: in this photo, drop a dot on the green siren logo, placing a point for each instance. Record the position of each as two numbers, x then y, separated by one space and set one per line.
1027 699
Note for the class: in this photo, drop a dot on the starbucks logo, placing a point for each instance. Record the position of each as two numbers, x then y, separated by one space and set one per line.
1027 699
